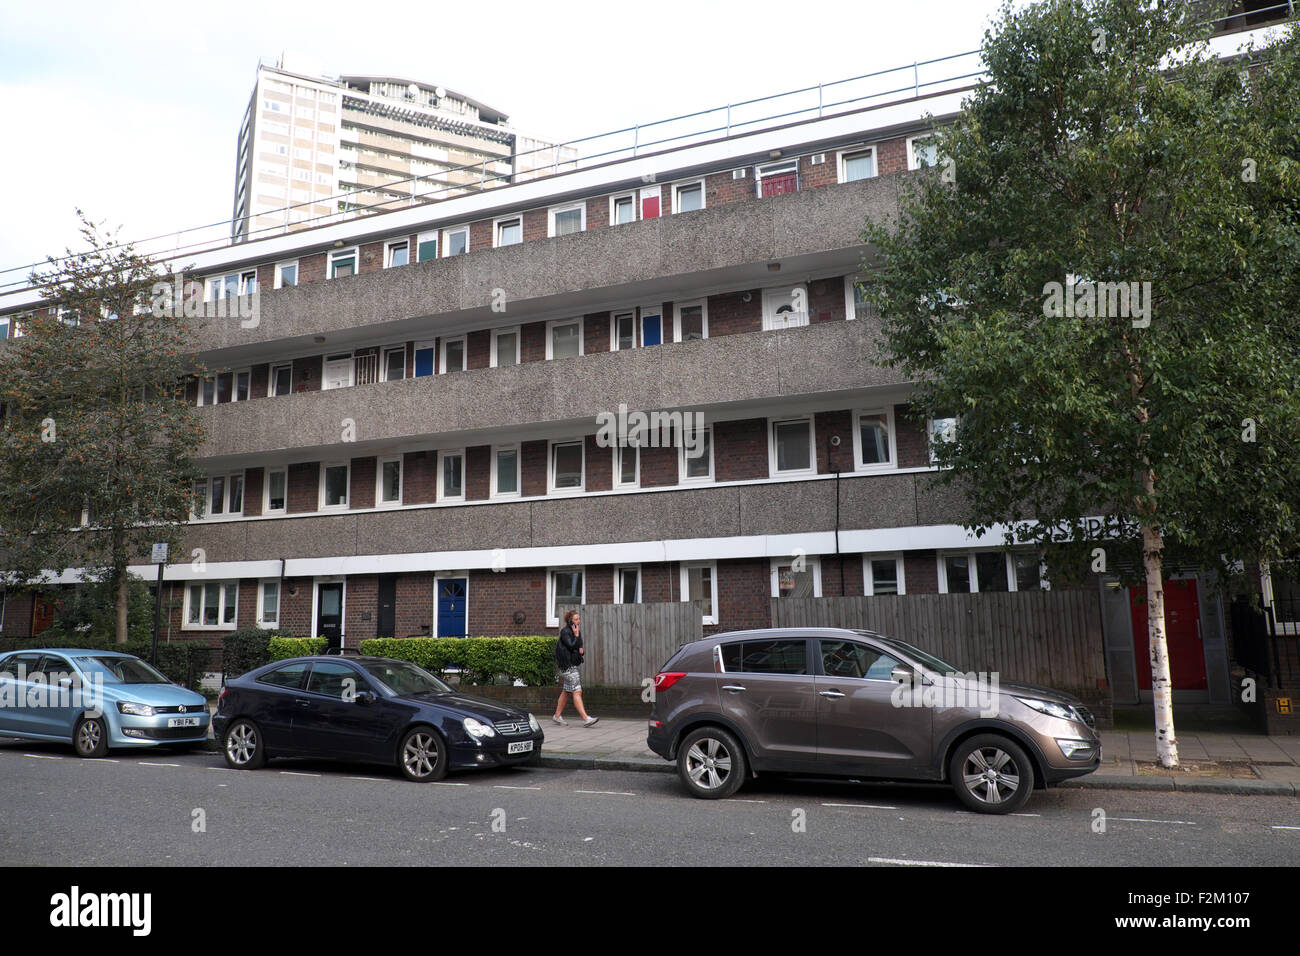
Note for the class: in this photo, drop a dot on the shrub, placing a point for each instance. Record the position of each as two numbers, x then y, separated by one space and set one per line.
246 649
280 648
480 659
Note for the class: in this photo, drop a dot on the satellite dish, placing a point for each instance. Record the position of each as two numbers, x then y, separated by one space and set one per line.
439 92
413 89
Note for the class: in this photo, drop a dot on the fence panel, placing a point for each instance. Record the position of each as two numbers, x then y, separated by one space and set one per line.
626 643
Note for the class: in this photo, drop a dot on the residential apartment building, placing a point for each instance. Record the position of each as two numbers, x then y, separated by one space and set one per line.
312 149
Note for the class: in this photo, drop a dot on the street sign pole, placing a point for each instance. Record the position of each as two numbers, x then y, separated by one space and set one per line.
158 557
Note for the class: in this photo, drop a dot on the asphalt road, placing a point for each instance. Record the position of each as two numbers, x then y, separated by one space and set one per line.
145 810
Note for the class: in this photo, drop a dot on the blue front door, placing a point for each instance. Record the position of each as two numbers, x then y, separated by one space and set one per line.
451 607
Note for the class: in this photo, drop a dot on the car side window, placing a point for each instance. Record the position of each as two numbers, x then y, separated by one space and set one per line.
57 668
22 666
851 659
766 657
290 676
336 680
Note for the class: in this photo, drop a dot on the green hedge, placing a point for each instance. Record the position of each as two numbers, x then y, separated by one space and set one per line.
246 649
481 660
181 661
281 648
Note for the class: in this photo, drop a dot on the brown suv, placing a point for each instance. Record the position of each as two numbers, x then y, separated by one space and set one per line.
838 702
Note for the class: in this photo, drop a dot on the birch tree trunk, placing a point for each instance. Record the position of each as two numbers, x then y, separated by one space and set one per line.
123 592
1157 647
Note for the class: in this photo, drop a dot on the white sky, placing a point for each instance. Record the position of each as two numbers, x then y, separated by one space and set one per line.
130 110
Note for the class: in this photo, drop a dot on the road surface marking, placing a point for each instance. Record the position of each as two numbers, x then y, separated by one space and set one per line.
444 783
1284 828
739 800
44 756
1181 823
612 793
298 773
146 763
897 862
864 806
375 779
502 786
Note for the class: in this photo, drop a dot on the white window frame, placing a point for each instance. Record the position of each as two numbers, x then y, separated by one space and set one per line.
1009 568
813 563
506 220
930 433
685 581
215 286
266 491
347 495
444 246
384 352
681 462
677 191
519 471
619 451
336 254
812 446
279 273
379 481
677 317
203 380
868 578
552 619
645 311
613 208
550 336
550 466
770 305
551 213
221 625
396 244
496 352
270 379
765 170
912 163
888 412
841 155
444 453
234 384
618 574
850 297
261 603
442 353
613 330
326 360
1269 596
225 496
430 236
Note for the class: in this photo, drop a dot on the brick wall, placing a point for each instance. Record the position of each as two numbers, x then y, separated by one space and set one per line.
361 492
598 212
658 467
891 156
304 487
595 333
729 313
740 449
312 268
253 478
532 467
846 568
822 174
480 235
536 223
360 609
413 613
826 300
259 381
307 373
372 257
419 478
722 188
921 572
744 589
532 342
599 464
496 596
478 472
478 349
913 444
828 425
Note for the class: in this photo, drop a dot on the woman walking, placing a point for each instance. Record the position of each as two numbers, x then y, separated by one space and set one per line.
568 658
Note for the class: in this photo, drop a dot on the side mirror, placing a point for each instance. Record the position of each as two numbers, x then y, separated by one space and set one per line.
902 674
365 698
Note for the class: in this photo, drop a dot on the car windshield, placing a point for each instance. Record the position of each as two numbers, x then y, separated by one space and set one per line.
121 670
404 678
928 660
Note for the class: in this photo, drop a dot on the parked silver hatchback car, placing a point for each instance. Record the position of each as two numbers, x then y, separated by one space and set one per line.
838 702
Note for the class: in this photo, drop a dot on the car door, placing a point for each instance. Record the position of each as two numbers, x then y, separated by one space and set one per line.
16 715
328 721
62 699
275 703
767 689
860 728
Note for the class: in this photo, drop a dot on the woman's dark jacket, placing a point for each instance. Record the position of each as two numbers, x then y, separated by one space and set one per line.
566 649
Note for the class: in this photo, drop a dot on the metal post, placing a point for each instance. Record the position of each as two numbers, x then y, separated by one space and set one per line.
819 101
157 615
636 138
916 78
728 119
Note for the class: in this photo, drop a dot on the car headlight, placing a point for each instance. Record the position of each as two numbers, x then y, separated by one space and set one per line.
477 729
136 710
532 722
1051 708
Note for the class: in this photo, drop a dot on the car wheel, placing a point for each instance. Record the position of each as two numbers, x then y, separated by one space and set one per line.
243 745
991 774
711 762
423 755
90 738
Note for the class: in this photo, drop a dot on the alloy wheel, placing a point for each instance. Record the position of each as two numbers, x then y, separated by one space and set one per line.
990 775
708 762
88 736
241 744
420 755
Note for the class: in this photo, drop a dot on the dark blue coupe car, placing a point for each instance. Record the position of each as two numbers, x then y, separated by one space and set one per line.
368 709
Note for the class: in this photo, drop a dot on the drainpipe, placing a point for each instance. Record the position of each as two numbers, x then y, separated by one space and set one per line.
279 598
833 441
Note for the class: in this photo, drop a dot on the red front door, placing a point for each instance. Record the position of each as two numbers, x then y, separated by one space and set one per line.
42 615
1182 635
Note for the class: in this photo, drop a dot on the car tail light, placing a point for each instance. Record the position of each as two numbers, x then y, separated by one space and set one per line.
665 680
222 695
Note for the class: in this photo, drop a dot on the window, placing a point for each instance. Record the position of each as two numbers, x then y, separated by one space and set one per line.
453 354
622 209
221 495
922 152
334 482
331 679
792 447
268 604
277 483
208 391
692 321
566 590
688 197
424 352
212 604
281 379
856 304
505 347
652 325
1027 571
4 326
566 220
457 240
622 328
508 231
242 385
857 163
292 676
286 274
627 473
505 472
776 179
650 197
451 475
343 263
941 429
566 465
882 574
627 585
389 490
394 367
426 246
873 439
766 657
564 338
700 583
785 308
695 457
854 660
338 371
228 286
976 571
397 254
800 579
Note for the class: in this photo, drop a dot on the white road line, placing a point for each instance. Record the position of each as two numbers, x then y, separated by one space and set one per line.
146 763
502 786
298 773
43 756
896 862
1279 827
444 783
740 800
612 793
1181 823
373 779
225 769
864 806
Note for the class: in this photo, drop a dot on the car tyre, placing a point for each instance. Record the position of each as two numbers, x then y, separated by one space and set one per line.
242 745
711 763
90 737
991 774
422 756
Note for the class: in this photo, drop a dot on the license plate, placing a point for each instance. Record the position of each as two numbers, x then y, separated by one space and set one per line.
520 747
183 722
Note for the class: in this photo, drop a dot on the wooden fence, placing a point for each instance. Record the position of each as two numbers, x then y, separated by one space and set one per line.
1052 638
626 643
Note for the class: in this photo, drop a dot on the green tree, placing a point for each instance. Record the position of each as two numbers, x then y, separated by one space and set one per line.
1099 281
95 422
